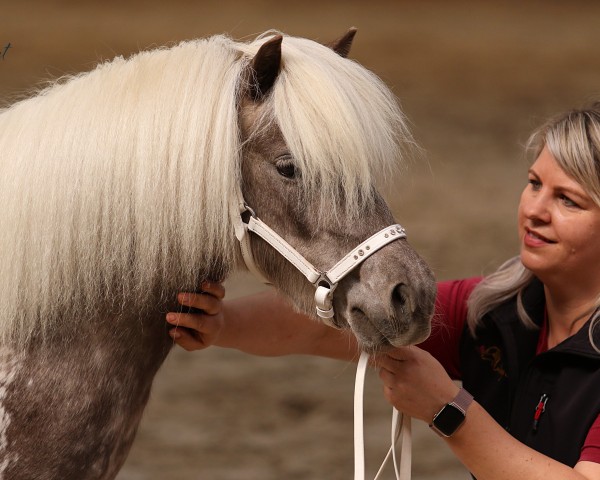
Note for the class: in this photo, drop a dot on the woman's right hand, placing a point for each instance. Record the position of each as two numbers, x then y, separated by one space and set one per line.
201 329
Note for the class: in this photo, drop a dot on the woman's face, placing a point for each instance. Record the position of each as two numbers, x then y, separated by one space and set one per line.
559 225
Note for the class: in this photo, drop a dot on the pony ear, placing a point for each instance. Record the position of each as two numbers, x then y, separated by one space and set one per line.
265 67
342 45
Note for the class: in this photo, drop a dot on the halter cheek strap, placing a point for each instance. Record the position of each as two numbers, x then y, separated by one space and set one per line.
245 220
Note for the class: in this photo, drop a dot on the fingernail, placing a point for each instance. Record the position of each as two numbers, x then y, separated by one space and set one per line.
170 317
206 285
175 334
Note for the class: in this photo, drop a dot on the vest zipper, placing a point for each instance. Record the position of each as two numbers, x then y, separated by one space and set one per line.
541 408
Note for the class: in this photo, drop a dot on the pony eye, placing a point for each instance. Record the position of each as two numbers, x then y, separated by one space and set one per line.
286 168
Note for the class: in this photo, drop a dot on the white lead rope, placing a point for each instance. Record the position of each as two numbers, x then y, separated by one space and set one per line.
401 427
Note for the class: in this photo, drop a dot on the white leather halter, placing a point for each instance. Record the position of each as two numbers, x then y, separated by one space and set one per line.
245 220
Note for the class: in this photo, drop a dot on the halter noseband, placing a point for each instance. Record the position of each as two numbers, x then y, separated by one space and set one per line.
245 220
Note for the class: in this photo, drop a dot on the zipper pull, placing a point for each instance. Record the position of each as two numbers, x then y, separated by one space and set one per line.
541 408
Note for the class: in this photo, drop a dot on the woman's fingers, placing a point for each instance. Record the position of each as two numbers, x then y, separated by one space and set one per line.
196 321
206 325
401 353
386 376
215 289
201 301
393 360
195 331
187 339
208 299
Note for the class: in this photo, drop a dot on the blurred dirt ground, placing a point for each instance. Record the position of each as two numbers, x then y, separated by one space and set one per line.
473 78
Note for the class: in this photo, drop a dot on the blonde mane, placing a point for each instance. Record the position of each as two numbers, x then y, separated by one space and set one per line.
115 184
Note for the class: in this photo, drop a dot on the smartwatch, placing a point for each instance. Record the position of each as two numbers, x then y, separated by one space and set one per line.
452 415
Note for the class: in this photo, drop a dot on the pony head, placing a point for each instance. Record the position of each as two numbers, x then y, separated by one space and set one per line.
319 132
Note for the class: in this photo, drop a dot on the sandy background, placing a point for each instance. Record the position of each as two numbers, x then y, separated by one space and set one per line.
473 77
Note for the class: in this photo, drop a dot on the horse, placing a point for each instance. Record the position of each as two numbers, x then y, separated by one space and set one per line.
116 188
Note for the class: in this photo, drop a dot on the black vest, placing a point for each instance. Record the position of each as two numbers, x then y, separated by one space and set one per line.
501 370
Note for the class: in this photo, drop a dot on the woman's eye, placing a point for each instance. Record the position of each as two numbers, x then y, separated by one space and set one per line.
286 168
535 184
568 202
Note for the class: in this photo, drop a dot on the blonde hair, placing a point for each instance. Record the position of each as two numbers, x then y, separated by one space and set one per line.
573 139
115 184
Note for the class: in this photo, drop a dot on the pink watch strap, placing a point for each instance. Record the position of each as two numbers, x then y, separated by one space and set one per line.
462 400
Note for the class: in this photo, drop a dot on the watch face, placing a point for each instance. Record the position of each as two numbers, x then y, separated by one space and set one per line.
448 420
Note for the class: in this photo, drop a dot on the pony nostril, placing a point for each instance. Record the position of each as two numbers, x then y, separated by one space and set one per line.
359 317
401 298
357 312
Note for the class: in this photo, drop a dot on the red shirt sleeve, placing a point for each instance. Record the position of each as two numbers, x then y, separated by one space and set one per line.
590 452
448 322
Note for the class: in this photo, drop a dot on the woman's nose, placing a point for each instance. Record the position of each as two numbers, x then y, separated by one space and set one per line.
536 208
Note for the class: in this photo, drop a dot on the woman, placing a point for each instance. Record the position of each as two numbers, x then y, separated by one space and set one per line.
522 340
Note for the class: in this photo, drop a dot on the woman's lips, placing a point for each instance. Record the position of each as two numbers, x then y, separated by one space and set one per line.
535 239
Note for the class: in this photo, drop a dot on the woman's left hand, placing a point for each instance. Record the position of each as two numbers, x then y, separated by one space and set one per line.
415 383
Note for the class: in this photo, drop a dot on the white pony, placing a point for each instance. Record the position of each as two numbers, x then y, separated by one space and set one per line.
115 193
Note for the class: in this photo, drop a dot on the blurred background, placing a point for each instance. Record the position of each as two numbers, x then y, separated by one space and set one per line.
474 79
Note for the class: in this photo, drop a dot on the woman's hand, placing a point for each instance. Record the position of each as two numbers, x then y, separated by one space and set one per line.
415 383
202 329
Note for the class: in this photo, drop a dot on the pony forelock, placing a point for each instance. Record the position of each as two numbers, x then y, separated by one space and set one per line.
115 184
341 123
